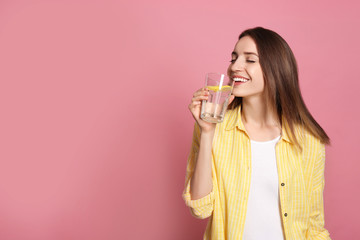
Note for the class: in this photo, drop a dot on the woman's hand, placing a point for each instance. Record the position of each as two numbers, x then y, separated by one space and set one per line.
195 109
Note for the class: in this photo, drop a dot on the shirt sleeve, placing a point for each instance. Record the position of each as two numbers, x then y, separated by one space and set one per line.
316 229
200 208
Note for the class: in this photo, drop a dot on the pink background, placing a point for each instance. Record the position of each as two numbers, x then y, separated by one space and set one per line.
95 129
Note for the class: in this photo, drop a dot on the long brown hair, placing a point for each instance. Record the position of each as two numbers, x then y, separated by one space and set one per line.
282 89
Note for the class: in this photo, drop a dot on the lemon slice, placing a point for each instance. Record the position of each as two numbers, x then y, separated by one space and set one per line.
216 88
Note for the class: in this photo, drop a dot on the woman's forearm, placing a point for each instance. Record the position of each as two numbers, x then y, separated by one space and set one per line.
201 181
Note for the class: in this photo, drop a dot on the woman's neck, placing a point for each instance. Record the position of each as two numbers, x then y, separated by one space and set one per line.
260 121
254 110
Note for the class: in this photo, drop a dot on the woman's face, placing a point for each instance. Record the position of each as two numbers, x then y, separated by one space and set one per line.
245 69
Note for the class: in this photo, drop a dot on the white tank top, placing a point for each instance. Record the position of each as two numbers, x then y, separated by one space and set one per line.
263 219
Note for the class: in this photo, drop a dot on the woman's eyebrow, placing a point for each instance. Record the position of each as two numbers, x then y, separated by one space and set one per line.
251 53
246 53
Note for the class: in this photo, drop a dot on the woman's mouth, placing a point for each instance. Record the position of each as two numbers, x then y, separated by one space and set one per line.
239 80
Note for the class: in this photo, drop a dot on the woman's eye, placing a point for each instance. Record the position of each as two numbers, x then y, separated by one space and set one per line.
248 60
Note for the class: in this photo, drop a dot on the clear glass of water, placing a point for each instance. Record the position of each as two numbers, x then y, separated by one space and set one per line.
220 87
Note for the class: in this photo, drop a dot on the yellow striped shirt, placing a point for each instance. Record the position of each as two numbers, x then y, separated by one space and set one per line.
301 182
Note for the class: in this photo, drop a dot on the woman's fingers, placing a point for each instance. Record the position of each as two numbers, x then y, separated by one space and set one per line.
201 97
231 98
196 101
201 91
194 104
201 94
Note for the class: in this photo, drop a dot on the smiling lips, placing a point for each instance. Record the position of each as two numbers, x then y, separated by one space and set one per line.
239 79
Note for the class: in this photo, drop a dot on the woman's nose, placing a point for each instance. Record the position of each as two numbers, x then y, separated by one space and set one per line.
238 65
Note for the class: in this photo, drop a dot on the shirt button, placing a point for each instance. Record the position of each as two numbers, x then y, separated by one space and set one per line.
282 184
285 214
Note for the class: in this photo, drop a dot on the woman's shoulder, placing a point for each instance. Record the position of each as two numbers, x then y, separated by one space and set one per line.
307 140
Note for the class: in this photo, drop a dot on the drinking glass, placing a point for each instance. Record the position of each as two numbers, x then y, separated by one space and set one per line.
220 87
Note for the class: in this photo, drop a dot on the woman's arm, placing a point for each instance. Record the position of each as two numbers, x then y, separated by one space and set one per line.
201 181
199 188
316 229
199 184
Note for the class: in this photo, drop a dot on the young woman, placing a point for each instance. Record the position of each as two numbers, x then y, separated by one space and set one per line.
260 173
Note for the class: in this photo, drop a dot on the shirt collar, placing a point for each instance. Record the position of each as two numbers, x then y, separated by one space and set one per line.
236 121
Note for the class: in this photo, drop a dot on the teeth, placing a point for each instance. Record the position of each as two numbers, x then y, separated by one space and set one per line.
240 79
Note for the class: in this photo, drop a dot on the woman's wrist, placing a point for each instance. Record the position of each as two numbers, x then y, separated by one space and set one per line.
207 133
